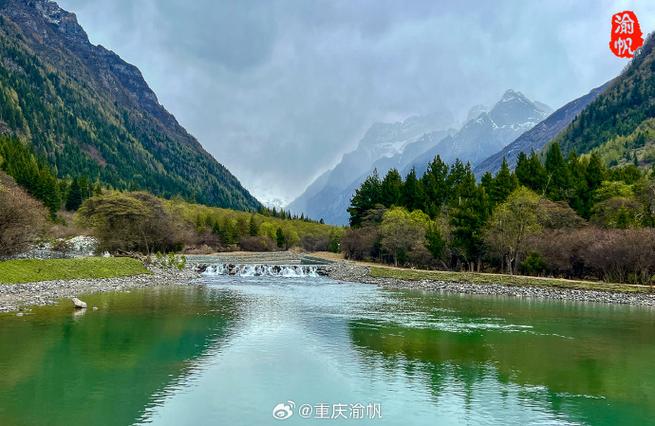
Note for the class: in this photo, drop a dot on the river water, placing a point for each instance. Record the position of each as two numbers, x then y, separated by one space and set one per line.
228 352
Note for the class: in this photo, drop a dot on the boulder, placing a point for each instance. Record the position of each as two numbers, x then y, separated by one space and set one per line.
78 303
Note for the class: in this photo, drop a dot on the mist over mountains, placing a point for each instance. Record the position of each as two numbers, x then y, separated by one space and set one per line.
413 144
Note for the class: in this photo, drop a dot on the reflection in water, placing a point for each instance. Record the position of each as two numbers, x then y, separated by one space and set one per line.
106 366
229 352
582 362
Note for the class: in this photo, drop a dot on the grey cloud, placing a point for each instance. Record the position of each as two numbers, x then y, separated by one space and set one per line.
279 90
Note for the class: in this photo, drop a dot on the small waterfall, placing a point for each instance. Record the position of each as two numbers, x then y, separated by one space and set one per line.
253 270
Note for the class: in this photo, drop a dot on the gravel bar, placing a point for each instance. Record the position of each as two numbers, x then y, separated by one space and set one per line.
15 297
348 271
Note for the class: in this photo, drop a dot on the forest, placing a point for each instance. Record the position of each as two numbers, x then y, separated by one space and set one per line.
36 205
552 216
79 127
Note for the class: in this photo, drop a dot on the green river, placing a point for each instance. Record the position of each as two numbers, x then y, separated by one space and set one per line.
228 352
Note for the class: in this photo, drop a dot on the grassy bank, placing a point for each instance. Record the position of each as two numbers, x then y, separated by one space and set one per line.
33 270
483 278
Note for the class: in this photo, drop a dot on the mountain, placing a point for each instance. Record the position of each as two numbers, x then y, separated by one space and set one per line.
620 123
537 137
88 112
487 133
385 142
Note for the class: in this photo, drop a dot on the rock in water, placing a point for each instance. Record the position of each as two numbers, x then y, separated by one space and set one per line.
78 303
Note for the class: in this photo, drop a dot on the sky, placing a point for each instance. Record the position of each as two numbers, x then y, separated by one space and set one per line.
279 90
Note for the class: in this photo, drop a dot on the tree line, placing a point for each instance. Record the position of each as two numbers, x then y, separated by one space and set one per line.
552 215
141 222
19 161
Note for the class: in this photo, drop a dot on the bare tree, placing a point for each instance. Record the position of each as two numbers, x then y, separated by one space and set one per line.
22 218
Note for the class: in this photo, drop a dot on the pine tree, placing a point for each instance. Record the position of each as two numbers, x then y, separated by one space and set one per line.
503 184
487 182
457 175
435 186
253 226
579 190
468 216
391 188
531 173
75 198
413 196
558 185
365 198
279 237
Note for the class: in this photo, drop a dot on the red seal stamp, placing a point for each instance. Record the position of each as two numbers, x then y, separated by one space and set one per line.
626 36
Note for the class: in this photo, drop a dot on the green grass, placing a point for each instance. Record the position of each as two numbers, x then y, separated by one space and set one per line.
516 280
33 270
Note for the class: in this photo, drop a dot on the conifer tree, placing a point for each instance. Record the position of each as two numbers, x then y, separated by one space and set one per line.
75 198
559 178
391 189
435 186
468 215
365 198
279 237
413 196
253 226
531 173
504 184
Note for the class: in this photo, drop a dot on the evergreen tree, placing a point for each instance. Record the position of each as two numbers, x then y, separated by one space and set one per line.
558 185
596 172
458 174
391 188
531 173
20 162
487 182
468 216
579 194
413 196
503 184
365 198
75 198
435 186
279 237
253 226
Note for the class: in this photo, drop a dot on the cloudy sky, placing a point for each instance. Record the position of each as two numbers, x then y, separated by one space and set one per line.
278 90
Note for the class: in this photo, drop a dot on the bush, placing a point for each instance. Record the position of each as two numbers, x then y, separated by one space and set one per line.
622 255
21 217
134 221
616 255
315 242
360 243
533 265
255 243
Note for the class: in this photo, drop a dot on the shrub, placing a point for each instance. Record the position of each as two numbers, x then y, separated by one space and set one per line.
256 243
360 243
315 242
622 255
21 217
533 265
131 222
617 255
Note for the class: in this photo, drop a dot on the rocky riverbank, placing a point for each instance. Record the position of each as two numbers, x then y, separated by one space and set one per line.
16 297
352 272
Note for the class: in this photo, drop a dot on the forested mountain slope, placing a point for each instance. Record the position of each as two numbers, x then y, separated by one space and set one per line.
87 112
618 123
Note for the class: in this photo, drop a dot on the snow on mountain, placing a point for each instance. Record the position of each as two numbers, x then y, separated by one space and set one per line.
486 134
381 140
